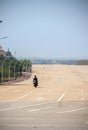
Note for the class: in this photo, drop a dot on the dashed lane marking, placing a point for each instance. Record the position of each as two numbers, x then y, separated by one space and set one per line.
61 98
79 109
20 97
39 109
15 125
31 105
31 118
38 104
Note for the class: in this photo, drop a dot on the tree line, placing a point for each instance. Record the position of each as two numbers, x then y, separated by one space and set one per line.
12 68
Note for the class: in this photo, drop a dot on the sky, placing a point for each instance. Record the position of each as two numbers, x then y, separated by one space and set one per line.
45 28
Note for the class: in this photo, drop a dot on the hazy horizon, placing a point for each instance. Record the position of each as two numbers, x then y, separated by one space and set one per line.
45 28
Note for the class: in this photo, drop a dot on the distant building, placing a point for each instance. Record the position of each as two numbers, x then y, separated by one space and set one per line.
9 54
2 52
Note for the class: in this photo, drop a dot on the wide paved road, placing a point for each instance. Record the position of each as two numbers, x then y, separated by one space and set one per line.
59 103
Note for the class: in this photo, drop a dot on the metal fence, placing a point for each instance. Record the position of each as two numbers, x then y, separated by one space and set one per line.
10 69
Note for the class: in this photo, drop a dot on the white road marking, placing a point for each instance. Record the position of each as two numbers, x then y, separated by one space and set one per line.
14 108
61 98
8 109
87 123
16 125
17 118
63 112
38 109
20 97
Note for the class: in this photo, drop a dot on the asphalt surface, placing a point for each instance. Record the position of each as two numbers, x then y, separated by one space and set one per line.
48 107
52 115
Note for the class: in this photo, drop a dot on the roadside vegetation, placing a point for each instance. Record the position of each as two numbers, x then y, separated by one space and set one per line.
82 62
12 68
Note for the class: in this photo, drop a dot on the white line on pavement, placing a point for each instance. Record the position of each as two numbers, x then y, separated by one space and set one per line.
14 108
39 109
15 125
63 112
61 98
38 104
87 123
20 97
17 118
